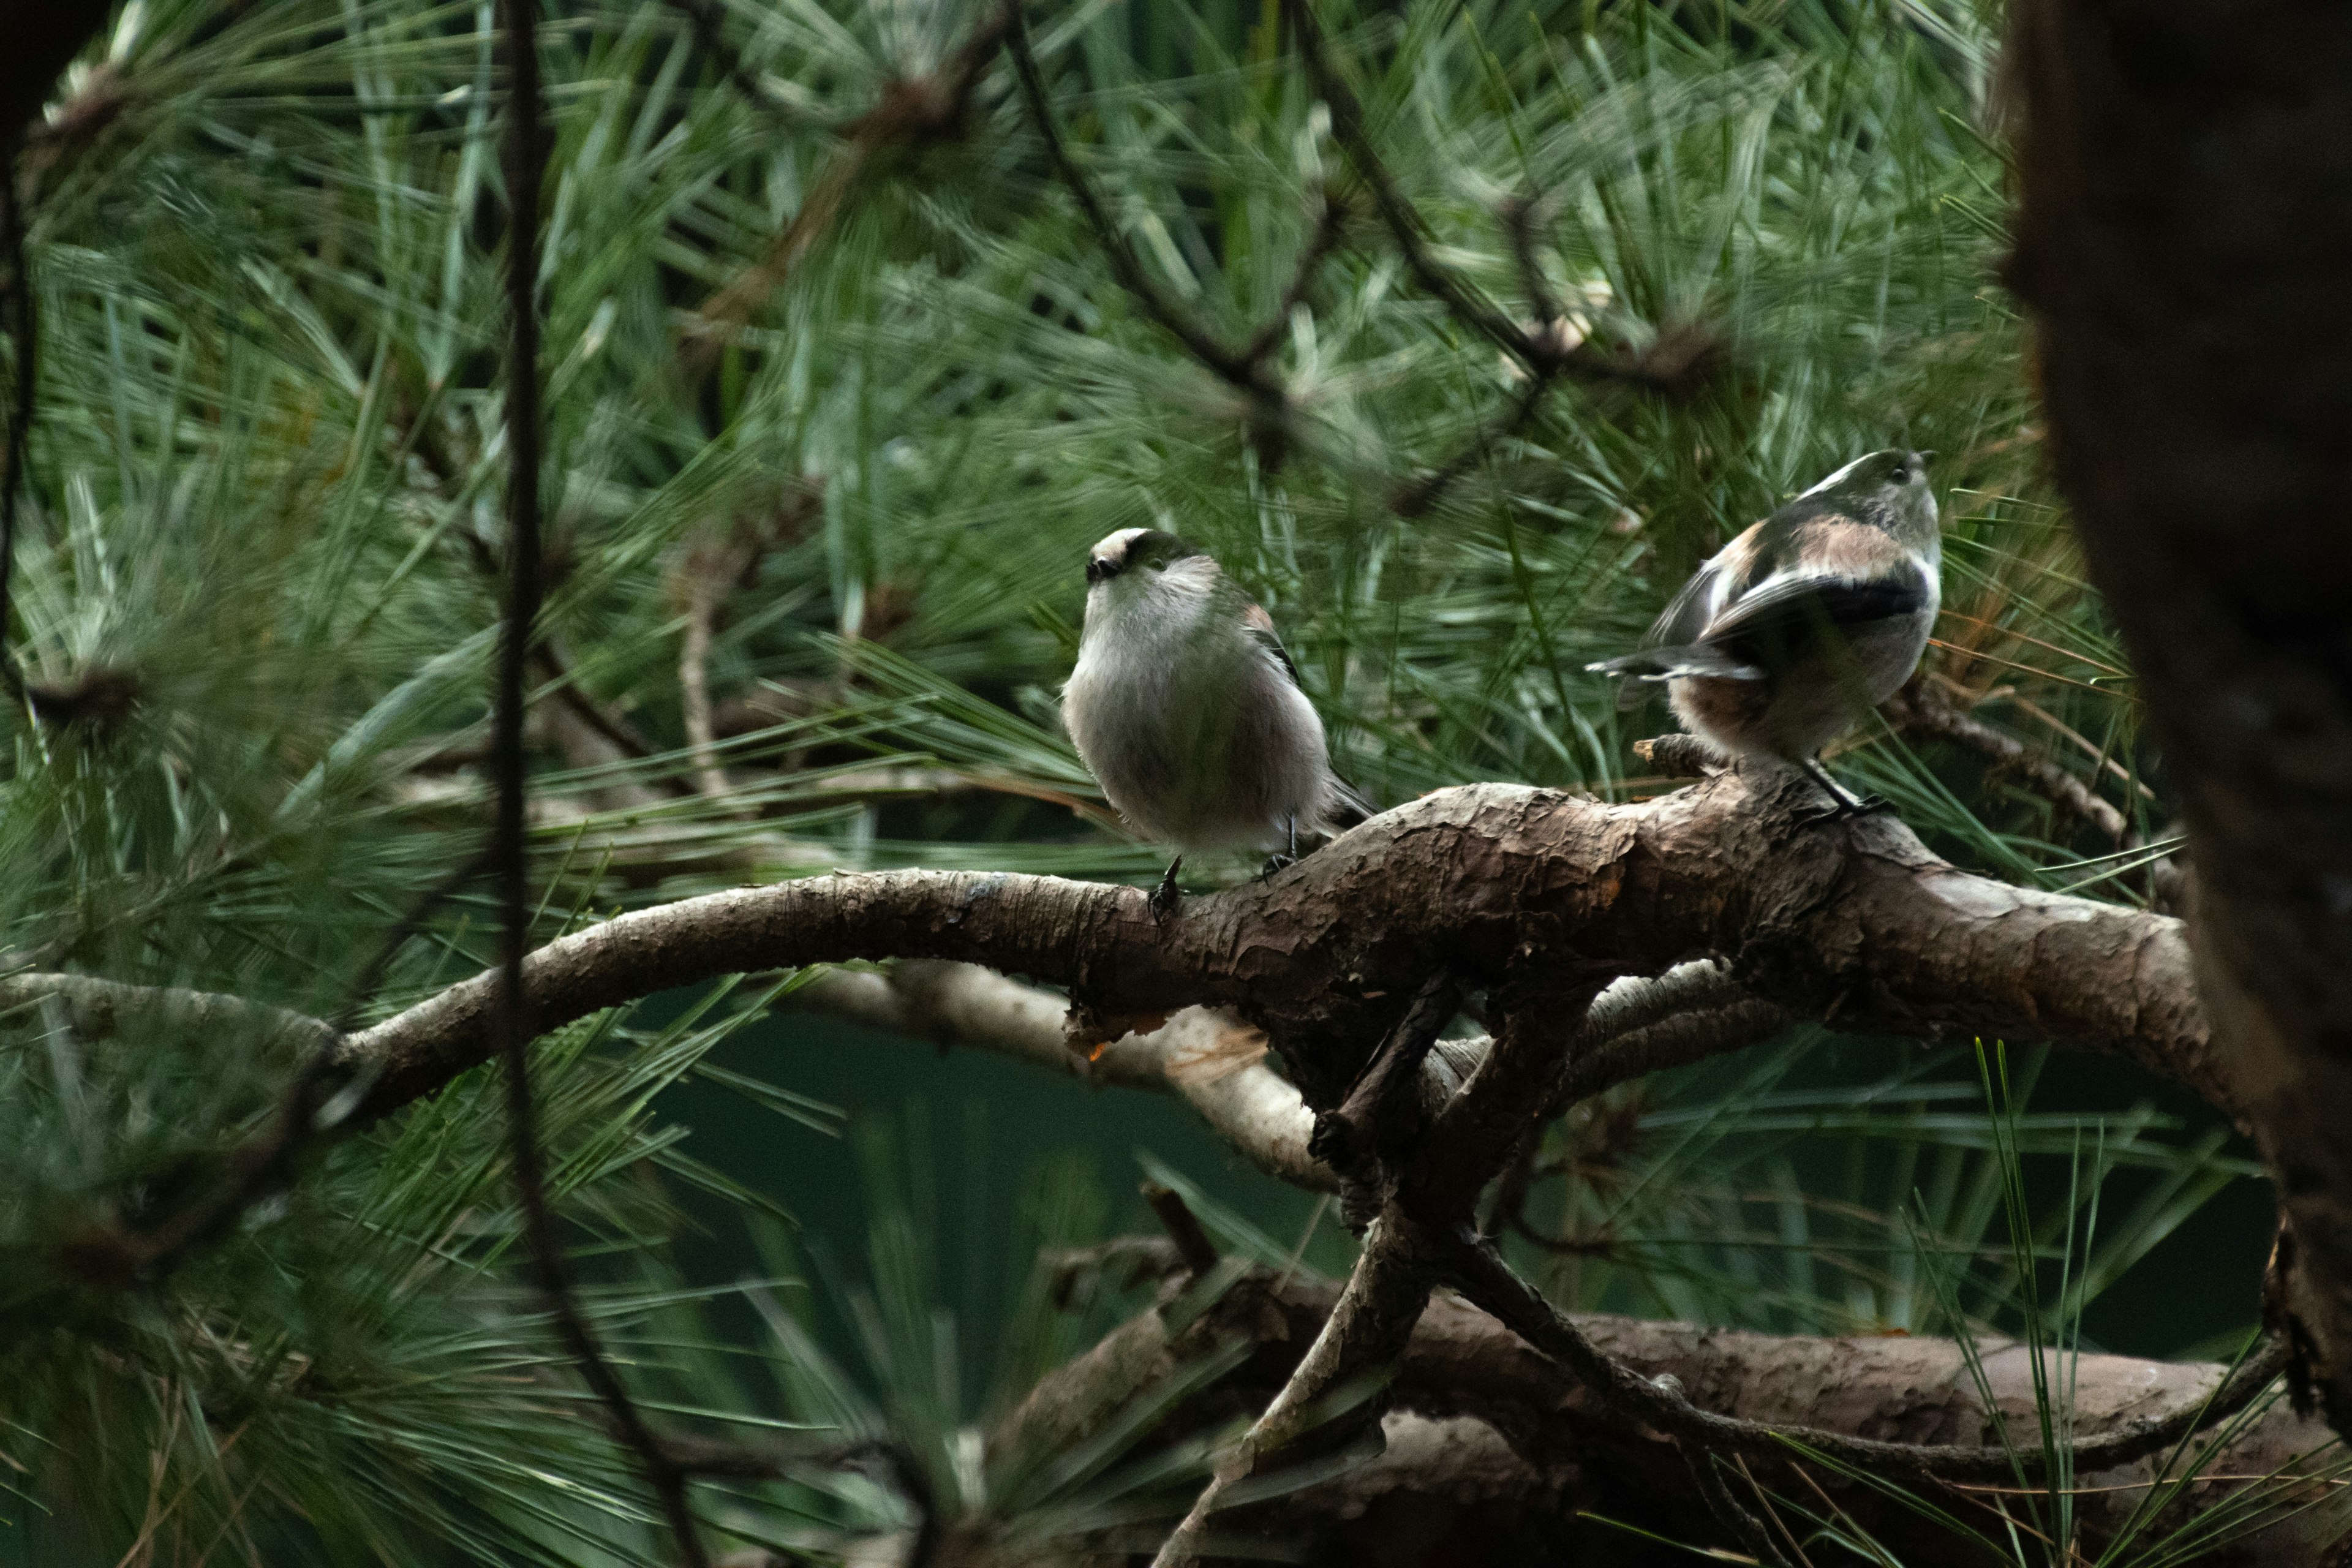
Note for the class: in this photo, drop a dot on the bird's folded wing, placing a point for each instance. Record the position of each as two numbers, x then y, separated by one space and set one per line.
1259 627
1718 578
1795 603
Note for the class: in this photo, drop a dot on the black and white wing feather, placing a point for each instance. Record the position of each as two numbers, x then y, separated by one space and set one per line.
1349 805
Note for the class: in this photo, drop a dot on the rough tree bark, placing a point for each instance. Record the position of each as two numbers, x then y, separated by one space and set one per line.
1856 925
1494 1453
2185 240
1525 893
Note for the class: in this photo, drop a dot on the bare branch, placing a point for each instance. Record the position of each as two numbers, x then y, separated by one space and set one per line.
1417 498
1330 224
1404 223
1491 1283
1859 919
1474 1411
1369 1325
1380 1117
1208 1057
523 156
913 114
708 31
1237 367
24 332
1919 705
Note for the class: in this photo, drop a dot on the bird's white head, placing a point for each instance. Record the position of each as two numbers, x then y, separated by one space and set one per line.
1138 564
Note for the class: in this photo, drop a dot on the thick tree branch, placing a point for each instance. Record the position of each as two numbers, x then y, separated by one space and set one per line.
1561 1451
1207 1057
1633 1400
1856 924
2186 184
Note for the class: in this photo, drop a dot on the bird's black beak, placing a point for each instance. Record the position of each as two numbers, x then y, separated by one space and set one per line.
1099 571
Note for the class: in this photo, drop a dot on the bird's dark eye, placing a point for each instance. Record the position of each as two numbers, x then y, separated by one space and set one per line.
1902 475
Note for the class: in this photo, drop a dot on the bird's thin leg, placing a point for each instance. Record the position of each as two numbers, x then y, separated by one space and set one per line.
1277 862
1168 895
1848 806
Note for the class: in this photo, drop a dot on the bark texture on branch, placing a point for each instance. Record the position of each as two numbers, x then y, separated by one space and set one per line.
1211 1059
1515 1435
1857 924
2186 177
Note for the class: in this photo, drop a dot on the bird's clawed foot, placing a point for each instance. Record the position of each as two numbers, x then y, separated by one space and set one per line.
1166 897
1275 863
1845 807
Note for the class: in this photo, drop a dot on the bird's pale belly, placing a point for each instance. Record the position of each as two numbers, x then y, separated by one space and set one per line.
1197 769
1795 711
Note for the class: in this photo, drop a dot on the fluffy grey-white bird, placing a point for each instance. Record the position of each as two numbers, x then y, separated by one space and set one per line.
1782 640
1190 713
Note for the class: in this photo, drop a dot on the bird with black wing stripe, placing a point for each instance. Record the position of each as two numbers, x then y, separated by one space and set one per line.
1190 713
1794 630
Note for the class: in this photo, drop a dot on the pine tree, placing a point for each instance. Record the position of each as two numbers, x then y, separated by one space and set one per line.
1459 333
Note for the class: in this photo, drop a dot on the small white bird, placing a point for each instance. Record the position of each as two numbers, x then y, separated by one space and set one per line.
1190 713
1811 617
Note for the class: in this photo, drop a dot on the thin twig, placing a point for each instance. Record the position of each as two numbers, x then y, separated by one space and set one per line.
524 157
1184 1227
1543 354
1920 706
912 114
719 560
1519 225
1235 366
1330 223
709 32
1416 498
1380 1118
24 327
566 688
1728 1510
1403 222
694 685
263 1163
1370 1324
1492 1285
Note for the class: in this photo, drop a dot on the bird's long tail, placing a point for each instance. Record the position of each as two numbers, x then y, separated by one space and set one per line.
1655 664
1347 807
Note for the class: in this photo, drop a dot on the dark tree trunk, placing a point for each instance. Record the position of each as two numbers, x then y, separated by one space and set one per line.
2185 240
